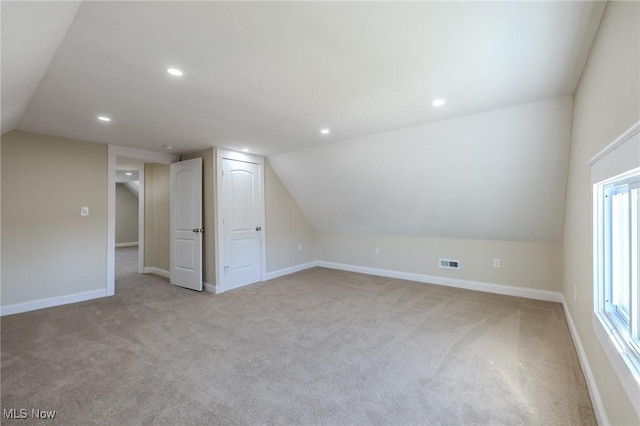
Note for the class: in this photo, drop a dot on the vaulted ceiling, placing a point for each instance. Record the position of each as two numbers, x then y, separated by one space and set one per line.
491 163
31 33
269 75
499 175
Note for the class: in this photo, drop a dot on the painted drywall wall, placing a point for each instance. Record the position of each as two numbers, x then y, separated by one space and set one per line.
287 227
126 215
474 189
156 216
496 176
606 103
209 166
48 249
523 264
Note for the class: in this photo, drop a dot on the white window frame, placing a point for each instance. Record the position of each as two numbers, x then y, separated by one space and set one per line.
618 164
604 307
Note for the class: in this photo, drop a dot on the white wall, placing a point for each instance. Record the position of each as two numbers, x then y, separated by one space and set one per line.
606 103
499 176
48 249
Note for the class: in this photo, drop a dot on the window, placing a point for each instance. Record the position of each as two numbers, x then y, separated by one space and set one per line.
615 175
618 251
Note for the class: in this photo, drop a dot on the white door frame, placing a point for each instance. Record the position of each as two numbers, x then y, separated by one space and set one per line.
238 156
138 154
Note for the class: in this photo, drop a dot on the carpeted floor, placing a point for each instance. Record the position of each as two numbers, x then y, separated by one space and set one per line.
319 347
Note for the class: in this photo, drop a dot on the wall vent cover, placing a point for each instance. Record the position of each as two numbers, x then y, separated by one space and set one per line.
449 264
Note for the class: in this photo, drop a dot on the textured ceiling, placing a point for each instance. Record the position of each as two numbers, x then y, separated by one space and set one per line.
268 76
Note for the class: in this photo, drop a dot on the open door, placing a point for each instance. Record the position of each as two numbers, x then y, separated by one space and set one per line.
186 224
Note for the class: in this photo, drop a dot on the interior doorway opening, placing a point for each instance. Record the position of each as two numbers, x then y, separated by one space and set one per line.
129 211
122 161
142 213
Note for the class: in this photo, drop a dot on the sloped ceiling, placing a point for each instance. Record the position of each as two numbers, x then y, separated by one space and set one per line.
268 75
31 34
499 175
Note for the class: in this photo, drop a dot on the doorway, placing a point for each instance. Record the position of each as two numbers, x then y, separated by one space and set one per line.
141 157
129 211
214 194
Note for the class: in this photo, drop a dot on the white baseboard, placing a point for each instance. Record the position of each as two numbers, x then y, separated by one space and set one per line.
594 393
157 271
209 287
529 293
51 302
290 270
133 244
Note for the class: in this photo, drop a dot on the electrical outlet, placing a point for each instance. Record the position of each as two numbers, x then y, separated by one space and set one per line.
84 211
377 251
497 263
449 263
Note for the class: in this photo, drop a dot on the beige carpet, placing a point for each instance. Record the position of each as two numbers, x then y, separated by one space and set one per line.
319 347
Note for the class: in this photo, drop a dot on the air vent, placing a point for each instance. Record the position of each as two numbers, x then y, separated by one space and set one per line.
449 264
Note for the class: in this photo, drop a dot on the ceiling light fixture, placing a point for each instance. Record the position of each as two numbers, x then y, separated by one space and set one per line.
168 146
128 173
245 149
175 72
325 131
104 118
438 102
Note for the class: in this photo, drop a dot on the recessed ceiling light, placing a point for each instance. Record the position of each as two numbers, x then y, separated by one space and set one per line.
175 72
325 131
103 118
168 146
438 102
245 149
128 173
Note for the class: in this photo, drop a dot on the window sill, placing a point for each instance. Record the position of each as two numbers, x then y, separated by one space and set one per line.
622 362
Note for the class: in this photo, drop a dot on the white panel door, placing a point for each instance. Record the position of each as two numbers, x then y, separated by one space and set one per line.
186 224
241 223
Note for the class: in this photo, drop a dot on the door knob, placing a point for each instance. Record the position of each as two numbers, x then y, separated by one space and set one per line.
258 228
